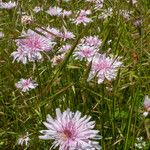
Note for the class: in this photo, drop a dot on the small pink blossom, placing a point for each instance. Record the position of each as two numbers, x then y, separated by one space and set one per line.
85 52
92 41
66 13
104 67
65 48
8 5
70 131
82 17
67 35
26 84
54 11
37 9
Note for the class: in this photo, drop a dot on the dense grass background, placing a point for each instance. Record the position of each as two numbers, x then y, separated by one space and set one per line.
117 112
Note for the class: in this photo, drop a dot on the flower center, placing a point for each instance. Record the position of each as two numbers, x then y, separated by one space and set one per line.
67 133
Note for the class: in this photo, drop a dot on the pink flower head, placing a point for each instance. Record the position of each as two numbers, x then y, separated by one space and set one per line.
26 84
85 51
37 9
65 48
92 41
67 35
8 5
66 13
82 17
20 55
147 103
70 131
104 67
54 11
34 42
29 48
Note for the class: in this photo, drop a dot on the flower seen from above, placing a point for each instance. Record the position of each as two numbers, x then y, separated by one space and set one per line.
85 52
104 67
26 84
82 17
70 131
30 46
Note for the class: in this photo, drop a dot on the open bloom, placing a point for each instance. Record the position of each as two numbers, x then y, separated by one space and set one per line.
30 46
26 84
70 131
8 5
92 41
24 139
85 52
82 17
104 67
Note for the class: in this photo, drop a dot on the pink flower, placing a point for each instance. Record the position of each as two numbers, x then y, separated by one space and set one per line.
66 13
26 84
65 48
34 42
54 11
85 52
67 35
70 131
29 48
104 67
37 9
8 5
92 41
147 103
82 17
20 55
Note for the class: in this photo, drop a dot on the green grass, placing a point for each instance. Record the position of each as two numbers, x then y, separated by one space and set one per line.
118 113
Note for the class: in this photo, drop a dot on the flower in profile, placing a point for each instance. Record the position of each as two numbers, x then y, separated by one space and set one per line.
65 48
24 139
82 17
147 103
1 35
37 9
54 11
70 131
66 13
66 35
26 84
104 67
7 5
